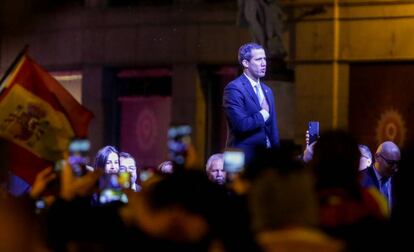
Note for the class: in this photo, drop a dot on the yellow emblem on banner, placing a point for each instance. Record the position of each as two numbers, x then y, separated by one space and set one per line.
32 123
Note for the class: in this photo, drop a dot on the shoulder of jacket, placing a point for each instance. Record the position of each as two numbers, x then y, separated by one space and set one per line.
236 82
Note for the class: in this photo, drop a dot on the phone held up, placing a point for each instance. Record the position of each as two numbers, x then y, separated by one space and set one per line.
113 186
78 159
233 160
313 130
78 155
179 139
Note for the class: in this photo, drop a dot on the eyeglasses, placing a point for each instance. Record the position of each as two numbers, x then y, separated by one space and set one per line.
390 162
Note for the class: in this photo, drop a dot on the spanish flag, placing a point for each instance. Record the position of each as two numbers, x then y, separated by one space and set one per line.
38 118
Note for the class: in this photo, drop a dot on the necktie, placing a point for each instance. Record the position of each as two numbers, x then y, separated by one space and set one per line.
261 97
259 94
384 187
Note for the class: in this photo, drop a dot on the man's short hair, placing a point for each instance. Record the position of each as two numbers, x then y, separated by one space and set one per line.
125 155
245 51
365 150
213 158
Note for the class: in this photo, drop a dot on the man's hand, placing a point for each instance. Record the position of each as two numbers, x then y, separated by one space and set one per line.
308 153
72 186
43 178
265 105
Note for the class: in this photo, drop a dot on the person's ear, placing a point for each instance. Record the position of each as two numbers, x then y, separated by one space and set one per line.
245 63
376 156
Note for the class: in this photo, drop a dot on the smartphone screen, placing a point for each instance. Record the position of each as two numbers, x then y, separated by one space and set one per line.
112 188
109 195
78 155
179 138
313 129
124 180
233 160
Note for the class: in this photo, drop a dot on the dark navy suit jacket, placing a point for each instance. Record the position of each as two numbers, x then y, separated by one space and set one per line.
246 127
369 179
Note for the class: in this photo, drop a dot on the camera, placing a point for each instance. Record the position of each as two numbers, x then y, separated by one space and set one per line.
233 160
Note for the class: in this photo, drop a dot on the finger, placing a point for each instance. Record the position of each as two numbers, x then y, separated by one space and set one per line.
49 177
49 199
86 184
66 180
45 172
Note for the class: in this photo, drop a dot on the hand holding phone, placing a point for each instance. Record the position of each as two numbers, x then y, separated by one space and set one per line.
113 186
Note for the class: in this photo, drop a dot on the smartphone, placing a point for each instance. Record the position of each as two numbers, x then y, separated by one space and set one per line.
109 195
234 160
78 155
53 187
313 129
124 180
179 138
112 188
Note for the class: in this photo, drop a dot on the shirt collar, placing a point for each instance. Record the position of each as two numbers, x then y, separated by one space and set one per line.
379 177
252 82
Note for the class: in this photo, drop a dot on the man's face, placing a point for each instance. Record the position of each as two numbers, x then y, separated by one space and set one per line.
112 163
216 172
128 165
388 163
256 67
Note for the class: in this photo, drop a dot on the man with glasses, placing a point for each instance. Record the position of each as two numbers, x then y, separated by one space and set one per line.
380 174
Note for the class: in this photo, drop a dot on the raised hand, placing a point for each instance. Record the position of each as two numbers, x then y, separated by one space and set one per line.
43 178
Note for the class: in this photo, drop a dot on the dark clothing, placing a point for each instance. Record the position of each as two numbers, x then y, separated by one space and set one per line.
246 127
17 186
369 179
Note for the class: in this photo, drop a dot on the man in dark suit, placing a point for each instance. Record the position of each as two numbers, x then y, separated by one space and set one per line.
249 105
380 174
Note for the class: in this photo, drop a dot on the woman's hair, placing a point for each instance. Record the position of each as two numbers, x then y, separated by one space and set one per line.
102 156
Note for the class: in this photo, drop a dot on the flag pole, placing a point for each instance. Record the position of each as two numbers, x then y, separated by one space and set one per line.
12 66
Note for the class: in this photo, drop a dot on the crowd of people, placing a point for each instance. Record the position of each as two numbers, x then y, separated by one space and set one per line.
334 195
281 201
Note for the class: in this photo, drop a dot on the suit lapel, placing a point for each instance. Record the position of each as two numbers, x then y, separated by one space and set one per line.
372 175
248 87
267 93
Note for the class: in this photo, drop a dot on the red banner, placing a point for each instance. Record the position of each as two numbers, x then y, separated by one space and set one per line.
144 127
